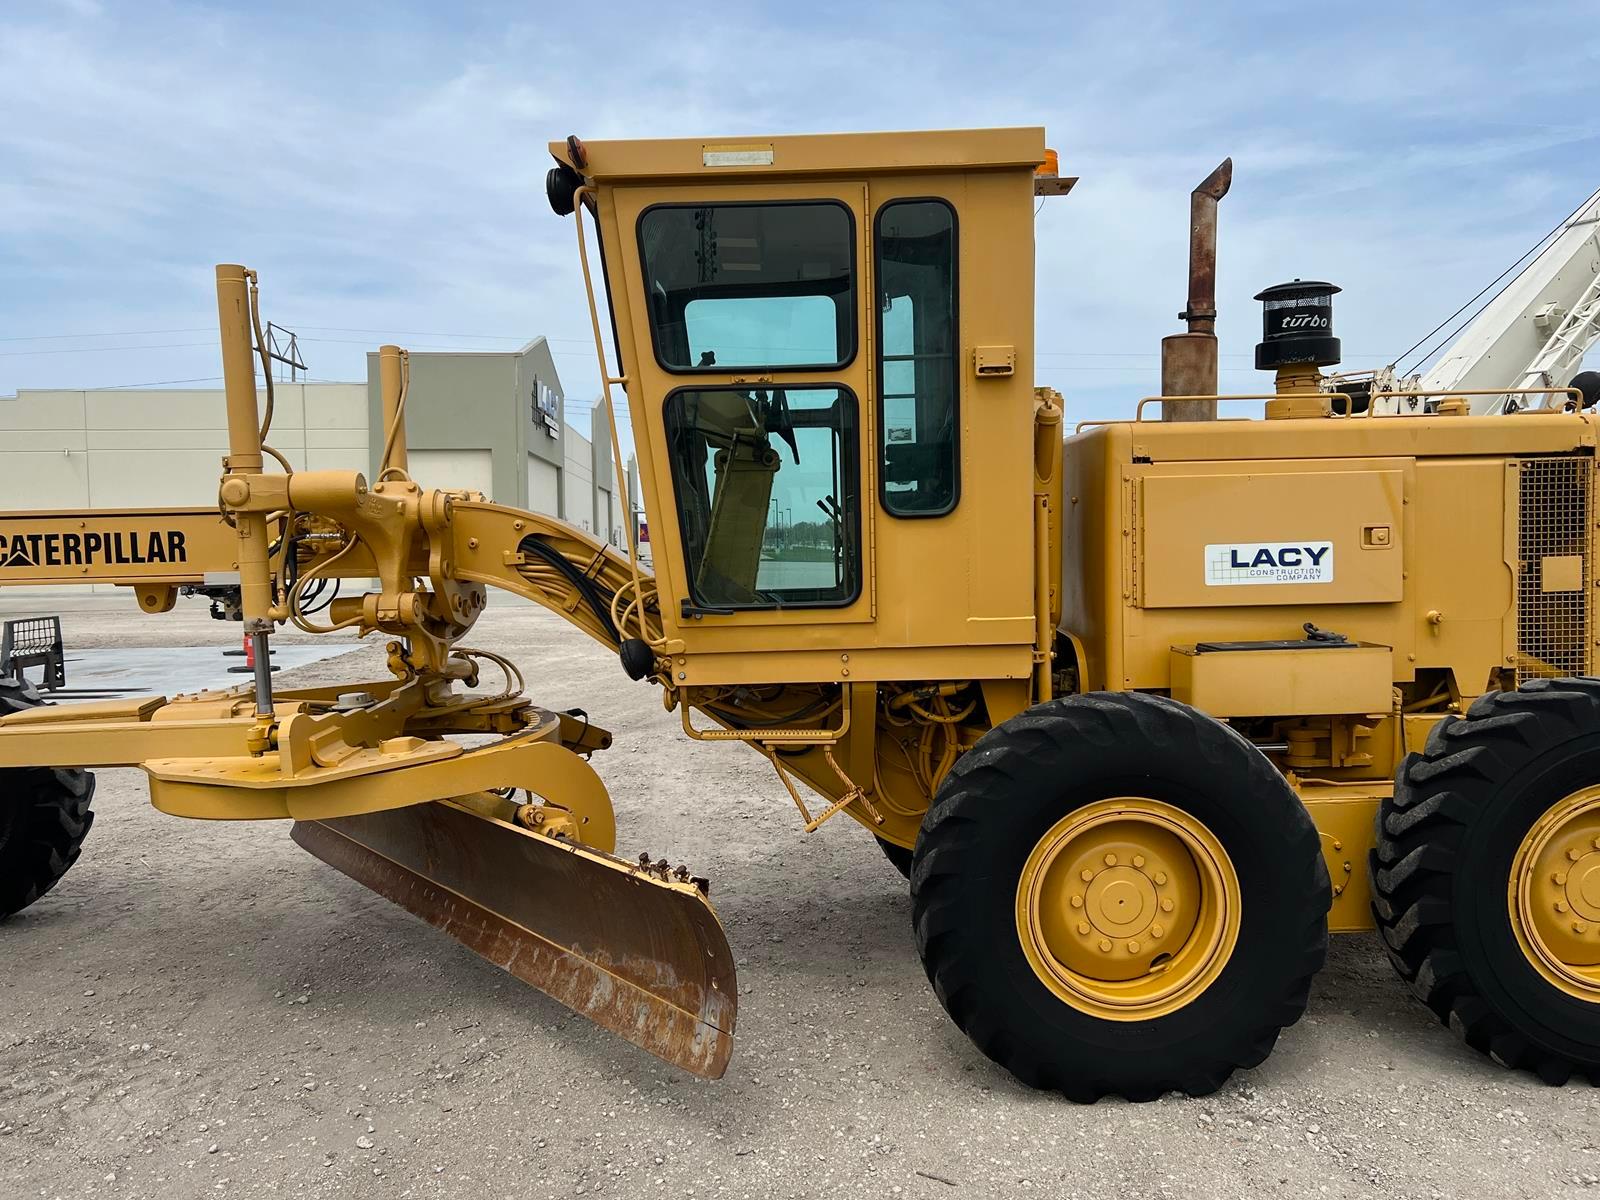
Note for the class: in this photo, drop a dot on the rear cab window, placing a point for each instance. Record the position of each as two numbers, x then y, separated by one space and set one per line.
919 452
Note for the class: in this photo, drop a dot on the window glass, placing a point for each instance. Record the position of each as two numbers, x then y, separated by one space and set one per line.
765 481
919 452
777 331
750 285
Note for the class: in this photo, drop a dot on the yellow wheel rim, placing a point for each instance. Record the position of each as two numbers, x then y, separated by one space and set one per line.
1128 909
1554 895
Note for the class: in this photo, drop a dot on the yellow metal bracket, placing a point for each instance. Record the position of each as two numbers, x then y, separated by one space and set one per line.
398 773
853 794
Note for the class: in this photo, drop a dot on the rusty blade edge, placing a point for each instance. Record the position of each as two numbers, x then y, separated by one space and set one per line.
672 1034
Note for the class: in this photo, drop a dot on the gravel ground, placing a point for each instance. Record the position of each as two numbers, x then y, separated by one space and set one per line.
207 1011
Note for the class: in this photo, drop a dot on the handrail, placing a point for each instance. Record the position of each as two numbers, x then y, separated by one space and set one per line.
606 380
1095 423
1138 413
1446 393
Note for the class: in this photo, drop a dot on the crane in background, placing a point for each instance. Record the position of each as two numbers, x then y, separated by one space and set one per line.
1532 333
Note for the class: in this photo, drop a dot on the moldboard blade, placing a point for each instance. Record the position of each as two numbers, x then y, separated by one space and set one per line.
641 956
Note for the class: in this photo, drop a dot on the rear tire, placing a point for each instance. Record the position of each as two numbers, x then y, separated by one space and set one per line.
1166 815
898 855
1486 876
44 817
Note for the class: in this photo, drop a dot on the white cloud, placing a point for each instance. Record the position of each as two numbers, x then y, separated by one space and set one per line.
382 166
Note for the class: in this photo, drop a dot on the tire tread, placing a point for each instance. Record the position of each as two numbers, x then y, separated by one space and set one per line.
51 817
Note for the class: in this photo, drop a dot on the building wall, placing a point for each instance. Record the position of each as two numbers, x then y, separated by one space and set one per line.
127 448
544 486
577 480
539 390
155 448
470 470
489 422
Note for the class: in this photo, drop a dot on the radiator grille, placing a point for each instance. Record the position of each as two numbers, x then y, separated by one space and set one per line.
1554 522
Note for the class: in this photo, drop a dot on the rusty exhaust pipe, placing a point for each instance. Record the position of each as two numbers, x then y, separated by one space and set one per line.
1189 360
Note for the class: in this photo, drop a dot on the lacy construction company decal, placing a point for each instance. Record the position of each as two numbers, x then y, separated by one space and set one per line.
1232 564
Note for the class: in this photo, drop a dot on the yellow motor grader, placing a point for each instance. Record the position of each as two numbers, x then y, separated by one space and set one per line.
1144 711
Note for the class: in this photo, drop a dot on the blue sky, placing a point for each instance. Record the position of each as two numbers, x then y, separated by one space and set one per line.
382 164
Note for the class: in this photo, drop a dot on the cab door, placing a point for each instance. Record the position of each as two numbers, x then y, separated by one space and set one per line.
752 387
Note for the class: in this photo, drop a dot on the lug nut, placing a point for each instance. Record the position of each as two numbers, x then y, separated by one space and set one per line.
1077 902
1156 931
1138 860
1083 928
1133 947
1580 927
1161 878
1166 904
1561 906
1086 875
1559 878
1105 945
1574 855
1111 860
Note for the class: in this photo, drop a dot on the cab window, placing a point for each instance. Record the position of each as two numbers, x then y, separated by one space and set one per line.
766 484
918 426
750 285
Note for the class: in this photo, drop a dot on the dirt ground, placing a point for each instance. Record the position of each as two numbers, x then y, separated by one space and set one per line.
207 1011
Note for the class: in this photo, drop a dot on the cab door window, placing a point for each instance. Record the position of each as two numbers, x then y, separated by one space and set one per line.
766 483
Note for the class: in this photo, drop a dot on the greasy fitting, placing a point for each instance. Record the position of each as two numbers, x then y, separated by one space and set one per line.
1128 908
1553 895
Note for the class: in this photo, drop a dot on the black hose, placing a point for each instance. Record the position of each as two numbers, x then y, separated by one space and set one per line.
584 585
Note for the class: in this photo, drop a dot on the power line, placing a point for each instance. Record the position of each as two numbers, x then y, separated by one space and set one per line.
106 349
521 339
1532 250
482 337
111 387
1138 355
52 337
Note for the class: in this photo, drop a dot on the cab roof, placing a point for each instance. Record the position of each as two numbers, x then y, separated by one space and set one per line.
806 154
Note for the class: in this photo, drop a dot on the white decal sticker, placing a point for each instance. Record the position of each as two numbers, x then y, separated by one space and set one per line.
736 156
1231 564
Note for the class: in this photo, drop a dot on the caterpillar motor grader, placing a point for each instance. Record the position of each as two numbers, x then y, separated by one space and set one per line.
1144 711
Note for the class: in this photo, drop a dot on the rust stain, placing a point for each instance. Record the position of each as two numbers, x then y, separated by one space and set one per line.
642 958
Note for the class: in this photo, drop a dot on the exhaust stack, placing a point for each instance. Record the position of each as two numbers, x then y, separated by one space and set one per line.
1189 360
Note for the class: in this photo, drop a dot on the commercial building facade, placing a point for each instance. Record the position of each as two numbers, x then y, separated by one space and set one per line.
493 422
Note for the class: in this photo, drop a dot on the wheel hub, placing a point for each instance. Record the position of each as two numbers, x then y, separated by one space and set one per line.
1554 894
1128 908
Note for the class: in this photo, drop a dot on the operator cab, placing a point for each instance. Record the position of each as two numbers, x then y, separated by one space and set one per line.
797 326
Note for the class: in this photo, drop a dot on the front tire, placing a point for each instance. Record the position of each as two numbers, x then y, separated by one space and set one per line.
1116 894
44 817
898 856
1486 876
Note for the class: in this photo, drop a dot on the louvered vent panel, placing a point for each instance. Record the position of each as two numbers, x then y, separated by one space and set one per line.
1554 527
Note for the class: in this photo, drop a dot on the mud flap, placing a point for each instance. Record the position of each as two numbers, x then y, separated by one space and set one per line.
642 956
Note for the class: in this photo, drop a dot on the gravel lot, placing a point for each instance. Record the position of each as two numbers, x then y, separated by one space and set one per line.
207 1011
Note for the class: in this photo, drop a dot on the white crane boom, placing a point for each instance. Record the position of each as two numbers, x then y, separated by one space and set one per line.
1537 330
